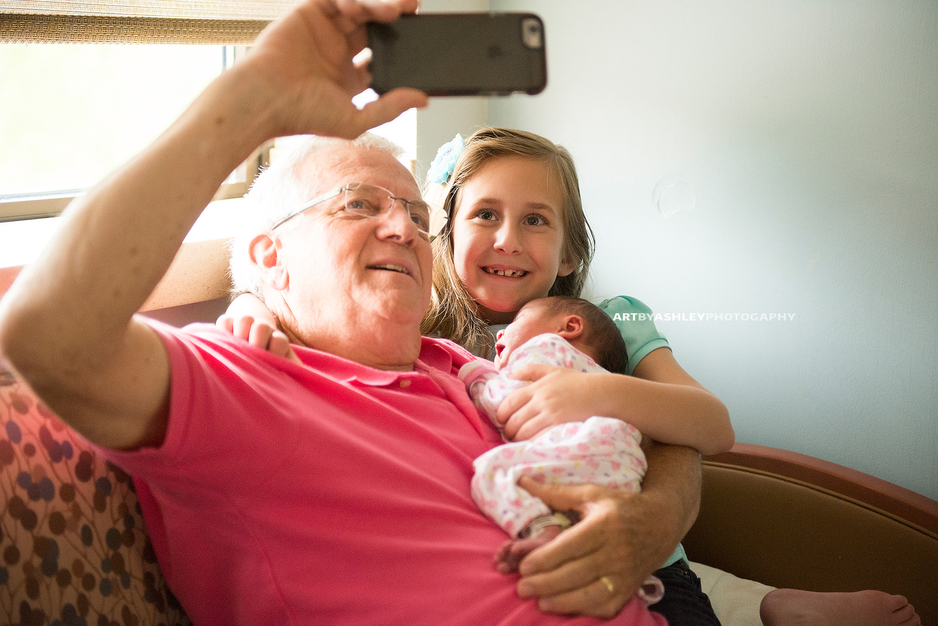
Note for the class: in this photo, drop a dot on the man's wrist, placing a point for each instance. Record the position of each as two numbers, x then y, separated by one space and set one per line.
667 531
233 117
672 486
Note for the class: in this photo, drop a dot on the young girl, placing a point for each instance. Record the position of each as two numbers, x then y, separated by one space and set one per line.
514 230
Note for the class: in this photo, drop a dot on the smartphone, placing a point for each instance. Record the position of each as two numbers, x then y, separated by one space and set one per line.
459 54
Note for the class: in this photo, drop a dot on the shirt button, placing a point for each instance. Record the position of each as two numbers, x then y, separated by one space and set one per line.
405 383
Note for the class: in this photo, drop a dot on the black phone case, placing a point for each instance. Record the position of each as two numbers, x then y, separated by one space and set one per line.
459 54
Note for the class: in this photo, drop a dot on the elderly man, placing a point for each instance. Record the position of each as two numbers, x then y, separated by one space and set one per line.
331 491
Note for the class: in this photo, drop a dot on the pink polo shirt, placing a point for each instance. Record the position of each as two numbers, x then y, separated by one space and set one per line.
330 493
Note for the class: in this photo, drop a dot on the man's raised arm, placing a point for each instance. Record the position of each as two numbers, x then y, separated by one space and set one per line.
67 325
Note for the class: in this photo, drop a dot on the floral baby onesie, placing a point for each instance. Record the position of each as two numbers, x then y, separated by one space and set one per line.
602 450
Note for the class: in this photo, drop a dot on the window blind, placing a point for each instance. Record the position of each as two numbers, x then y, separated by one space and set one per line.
216 22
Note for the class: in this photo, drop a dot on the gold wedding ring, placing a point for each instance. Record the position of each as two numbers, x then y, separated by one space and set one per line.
605 580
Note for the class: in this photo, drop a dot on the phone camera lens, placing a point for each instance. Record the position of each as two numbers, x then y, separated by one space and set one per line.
531 33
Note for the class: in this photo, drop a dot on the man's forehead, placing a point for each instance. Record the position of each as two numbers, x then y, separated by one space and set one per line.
341 165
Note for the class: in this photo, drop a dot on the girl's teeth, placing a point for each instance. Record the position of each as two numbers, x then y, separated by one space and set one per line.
509 273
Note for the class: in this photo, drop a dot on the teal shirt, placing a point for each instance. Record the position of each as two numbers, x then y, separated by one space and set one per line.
637 327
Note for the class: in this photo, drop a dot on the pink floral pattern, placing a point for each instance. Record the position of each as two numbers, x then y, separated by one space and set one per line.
600 451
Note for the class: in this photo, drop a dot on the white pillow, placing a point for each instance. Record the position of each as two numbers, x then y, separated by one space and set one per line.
735 600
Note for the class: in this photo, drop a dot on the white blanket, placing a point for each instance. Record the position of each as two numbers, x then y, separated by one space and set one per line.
735 600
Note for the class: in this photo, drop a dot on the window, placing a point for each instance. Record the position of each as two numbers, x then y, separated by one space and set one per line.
73 113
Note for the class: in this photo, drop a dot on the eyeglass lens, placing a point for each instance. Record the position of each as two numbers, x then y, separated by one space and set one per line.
371 201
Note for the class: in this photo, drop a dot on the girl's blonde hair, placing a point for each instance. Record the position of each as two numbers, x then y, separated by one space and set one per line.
453 314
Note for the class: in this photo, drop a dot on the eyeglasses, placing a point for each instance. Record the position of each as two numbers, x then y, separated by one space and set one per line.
371 201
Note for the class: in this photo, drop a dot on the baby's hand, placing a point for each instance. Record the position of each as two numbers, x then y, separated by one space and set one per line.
258 333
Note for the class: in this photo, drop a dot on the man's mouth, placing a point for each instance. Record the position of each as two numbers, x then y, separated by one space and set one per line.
508 273
389 267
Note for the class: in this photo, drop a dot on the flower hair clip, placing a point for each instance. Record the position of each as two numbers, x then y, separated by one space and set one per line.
441 168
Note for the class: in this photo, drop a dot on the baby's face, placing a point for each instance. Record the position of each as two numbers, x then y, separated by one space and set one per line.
530 322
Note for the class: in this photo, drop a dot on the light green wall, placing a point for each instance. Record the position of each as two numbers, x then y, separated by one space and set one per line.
807 135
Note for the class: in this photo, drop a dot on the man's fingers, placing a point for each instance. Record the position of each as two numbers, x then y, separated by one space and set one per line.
368 10
566 573
389 106
594 599
574 588
349 16
359 11
568 561
559 497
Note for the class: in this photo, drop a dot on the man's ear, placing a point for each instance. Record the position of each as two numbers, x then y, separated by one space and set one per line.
264 251
571 327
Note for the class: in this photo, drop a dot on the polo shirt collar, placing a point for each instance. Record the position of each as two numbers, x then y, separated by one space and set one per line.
432 357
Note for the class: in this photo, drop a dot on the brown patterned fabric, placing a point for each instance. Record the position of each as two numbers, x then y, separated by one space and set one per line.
73 546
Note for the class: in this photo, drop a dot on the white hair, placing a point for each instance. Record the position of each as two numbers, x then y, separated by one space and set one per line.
280 189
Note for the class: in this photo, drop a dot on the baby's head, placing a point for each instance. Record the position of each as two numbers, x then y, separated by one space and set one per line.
580 322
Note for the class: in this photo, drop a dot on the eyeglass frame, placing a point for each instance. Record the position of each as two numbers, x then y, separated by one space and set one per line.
345 189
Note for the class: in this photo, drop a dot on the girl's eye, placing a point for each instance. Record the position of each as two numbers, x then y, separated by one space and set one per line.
485 214
535 220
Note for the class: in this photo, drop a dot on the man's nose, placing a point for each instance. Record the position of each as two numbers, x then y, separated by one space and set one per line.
395 221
